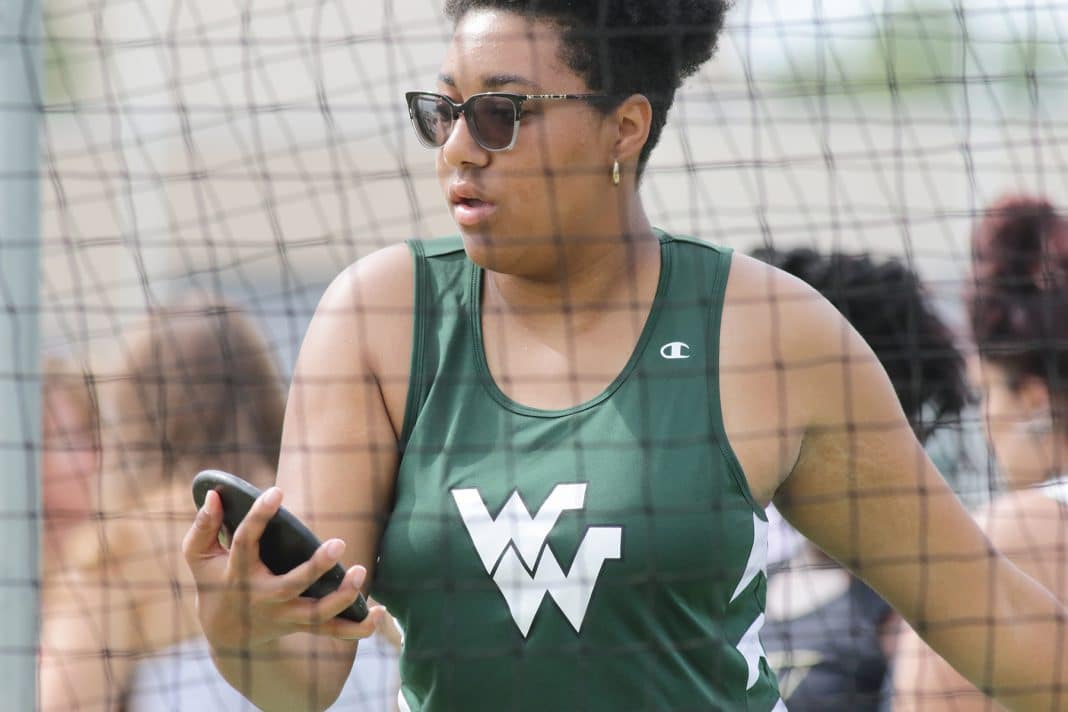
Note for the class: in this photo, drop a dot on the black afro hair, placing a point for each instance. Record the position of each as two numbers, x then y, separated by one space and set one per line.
625 47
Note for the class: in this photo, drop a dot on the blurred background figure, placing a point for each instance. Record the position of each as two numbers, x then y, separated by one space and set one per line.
70 455
197 389
828 636
1018 309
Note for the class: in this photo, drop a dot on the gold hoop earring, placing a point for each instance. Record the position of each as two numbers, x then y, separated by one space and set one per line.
615 172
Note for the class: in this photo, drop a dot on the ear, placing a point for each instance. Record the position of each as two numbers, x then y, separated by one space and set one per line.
634 117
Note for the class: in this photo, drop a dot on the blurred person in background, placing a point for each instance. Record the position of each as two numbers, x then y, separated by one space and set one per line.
70 456
828 635
1018 309
198 390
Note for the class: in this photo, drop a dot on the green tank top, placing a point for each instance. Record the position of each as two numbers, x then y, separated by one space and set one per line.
609 556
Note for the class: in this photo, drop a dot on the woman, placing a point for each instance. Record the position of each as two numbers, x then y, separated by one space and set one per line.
829 638
198 388
544 409
1016 308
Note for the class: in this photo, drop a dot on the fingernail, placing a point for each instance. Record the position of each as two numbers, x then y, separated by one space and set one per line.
334 548
272 496
357 579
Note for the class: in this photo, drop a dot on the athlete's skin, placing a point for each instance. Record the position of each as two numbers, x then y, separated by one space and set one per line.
571 268
1025 524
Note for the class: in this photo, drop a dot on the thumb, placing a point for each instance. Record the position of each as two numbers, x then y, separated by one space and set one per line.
202 539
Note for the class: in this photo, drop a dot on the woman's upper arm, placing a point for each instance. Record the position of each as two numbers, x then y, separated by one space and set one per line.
842 461
339 445
864 490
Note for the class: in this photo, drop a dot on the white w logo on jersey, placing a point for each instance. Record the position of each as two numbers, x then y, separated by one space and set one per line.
513 551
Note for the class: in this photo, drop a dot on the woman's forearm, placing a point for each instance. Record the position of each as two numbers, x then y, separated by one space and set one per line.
1018 651
295 673
1033 639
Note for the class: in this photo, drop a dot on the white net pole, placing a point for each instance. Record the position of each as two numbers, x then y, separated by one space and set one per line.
20 415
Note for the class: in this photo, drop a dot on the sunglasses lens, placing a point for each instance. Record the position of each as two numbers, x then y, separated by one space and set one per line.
432 117
493 121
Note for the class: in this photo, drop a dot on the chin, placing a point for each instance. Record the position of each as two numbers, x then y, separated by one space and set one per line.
486 255
492 254
478 244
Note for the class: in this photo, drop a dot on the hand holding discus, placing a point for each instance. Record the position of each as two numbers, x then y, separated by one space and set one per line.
276 578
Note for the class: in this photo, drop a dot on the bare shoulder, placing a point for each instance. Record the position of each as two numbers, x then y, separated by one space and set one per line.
345 410
362 328
129 594
1013 519
369 296
781 345
787 311
102 611
1019 504
753 279
753 287
126 552
383 276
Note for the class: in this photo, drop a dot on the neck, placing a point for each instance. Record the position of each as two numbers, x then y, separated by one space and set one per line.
586 279
589 265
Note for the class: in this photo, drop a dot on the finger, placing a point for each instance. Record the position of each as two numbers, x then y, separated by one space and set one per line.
351 586
319 611
202 539
348 630
245 544
334 627
297 580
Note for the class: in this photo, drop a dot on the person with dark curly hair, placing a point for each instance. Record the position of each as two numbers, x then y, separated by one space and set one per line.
547 444
828 636
1017 303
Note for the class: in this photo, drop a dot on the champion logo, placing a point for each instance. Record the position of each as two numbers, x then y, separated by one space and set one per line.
513 550
675 350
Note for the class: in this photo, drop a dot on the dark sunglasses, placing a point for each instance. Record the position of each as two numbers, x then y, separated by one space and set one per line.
492 118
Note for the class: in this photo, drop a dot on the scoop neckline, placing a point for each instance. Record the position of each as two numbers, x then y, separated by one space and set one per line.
490 384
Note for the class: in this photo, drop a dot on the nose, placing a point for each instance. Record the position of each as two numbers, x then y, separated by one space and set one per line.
461 149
